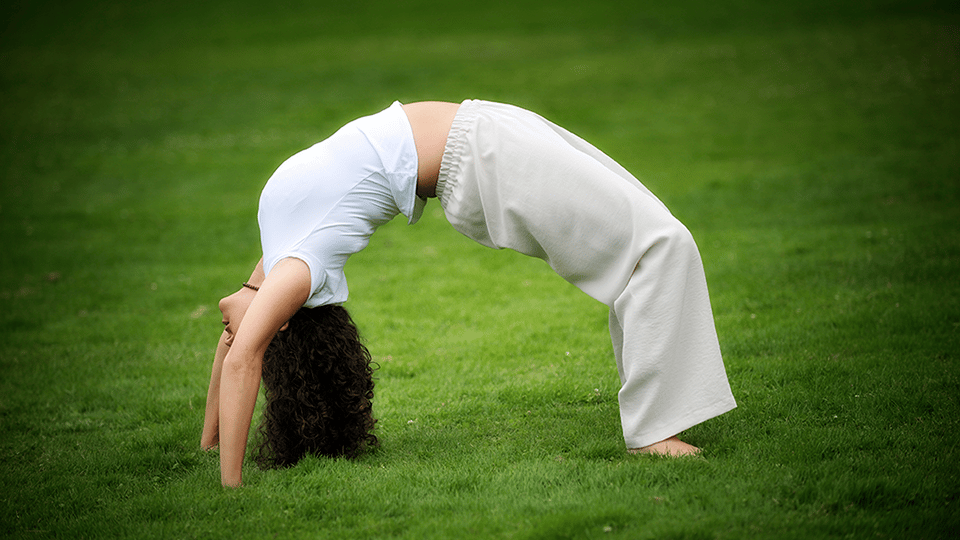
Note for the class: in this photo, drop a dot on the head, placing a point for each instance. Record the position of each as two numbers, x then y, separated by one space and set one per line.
318 381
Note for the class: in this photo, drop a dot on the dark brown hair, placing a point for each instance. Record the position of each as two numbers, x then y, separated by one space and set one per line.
318 382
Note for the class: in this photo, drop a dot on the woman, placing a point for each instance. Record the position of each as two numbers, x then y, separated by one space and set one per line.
506 178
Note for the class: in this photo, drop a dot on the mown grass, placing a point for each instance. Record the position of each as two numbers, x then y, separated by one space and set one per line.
811 147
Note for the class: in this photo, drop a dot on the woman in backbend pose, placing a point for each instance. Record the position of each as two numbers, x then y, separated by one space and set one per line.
505 177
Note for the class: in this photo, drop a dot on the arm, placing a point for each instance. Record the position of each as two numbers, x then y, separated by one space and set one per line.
210 436
282 293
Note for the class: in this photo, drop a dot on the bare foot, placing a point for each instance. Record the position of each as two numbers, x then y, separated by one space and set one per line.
673 447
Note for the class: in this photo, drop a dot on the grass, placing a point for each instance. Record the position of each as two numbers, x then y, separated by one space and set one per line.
811 147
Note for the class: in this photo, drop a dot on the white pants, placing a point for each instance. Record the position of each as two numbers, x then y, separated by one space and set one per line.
511 179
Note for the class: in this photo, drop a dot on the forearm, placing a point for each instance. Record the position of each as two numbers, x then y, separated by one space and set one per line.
211 420
239 385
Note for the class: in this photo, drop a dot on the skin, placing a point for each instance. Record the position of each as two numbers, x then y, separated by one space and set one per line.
672 447
233 308
431 121
252 318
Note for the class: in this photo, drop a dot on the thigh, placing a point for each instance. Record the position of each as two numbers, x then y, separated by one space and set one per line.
548 194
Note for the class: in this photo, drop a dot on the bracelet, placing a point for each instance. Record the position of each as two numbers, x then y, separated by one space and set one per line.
249 286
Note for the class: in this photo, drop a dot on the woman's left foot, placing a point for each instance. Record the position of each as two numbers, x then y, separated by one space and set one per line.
673 447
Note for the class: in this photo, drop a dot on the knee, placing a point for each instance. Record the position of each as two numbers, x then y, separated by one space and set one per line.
678 234
680 243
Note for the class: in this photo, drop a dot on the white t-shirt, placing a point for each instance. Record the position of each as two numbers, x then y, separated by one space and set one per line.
322 204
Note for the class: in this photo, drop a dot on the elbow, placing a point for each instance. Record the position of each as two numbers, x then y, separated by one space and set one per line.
242 364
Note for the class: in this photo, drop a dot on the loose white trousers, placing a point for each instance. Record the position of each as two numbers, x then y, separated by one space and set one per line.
511 179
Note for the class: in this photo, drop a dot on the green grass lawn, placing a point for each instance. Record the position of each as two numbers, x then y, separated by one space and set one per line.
811 147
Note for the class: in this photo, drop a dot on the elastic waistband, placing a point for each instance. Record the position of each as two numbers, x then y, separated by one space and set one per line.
453 150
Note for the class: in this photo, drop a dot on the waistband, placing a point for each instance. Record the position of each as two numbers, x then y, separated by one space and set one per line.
450 164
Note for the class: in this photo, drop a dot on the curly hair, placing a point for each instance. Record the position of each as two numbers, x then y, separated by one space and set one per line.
318 383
